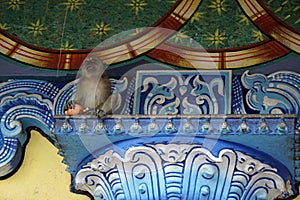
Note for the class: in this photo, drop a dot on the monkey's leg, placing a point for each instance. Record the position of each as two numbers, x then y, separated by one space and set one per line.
110 104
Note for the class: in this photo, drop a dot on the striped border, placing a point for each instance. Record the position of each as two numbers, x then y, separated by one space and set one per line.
40 57
133 47
271 25
230 59
153 42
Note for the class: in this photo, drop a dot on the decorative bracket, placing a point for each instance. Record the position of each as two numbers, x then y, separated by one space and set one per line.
24 104
180 171
180 148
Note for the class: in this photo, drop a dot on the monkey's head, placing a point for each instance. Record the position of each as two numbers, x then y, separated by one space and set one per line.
92 67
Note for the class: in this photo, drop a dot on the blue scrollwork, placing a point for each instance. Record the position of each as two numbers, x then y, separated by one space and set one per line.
159 94
277 93
41 87
180 171
14 108
64 96
8 155
205 95
23 104
184 92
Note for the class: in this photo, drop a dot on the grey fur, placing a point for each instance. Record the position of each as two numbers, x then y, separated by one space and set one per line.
94 86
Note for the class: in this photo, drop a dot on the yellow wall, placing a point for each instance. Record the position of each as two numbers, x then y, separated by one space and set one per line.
42 176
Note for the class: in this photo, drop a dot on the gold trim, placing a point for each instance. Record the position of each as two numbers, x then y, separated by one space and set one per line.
285 35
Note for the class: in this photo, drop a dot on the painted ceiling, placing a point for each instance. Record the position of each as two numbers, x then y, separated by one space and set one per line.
57 34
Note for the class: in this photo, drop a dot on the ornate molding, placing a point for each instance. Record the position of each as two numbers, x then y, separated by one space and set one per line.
24 103
192 125
28 103
180 171
277 93
262 17
231 58
127 49
183 92
91 134
9 156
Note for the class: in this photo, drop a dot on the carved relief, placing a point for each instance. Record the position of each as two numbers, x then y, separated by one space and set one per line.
23 104
184 92
277 93
180 171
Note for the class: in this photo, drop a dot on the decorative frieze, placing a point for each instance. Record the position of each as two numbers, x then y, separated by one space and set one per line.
180 171
158 108
177 124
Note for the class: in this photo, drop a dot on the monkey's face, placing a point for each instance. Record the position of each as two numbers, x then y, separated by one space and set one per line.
92 67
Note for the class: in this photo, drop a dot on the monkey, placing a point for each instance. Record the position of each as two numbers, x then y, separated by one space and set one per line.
93 95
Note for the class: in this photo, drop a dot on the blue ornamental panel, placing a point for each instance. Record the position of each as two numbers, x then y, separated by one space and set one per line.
183 92
237 97
85 135
24 104
277 93
10 155
181 171
172 135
